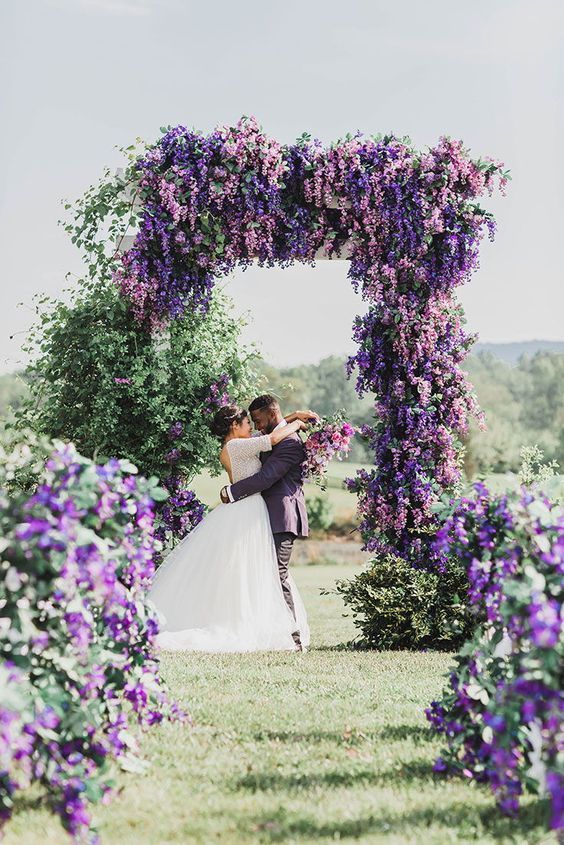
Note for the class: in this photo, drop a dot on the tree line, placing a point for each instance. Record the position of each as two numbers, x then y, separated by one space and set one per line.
523 403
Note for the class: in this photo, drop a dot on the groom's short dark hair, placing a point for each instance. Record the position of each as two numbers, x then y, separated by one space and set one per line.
261 403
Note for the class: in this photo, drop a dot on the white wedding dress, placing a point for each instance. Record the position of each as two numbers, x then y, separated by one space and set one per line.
219 589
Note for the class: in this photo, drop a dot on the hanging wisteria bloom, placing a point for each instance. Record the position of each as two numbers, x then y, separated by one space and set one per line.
330 438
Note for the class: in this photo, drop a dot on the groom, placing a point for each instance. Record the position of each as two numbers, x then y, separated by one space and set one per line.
280 482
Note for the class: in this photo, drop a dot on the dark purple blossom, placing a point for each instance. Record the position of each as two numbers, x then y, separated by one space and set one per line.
180 513
217 395
175 431
507 678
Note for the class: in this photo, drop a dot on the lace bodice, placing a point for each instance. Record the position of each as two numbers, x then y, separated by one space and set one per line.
244 455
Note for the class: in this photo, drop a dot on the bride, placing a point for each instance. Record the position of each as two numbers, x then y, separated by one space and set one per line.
219 589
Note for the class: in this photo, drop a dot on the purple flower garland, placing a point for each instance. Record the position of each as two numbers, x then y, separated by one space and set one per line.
211 203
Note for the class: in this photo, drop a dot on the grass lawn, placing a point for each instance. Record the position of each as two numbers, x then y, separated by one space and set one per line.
326 746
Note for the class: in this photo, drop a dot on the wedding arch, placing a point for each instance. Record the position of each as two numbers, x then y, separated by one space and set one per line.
409 225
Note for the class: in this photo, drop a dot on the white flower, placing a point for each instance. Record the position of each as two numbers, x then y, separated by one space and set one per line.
538 767
12 579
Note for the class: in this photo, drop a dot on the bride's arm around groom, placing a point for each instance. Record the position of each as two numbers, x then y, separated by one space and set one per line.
284 457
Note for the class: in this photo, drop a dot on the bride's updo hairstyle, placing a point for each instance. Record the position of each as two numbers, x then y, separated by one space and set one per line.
224 419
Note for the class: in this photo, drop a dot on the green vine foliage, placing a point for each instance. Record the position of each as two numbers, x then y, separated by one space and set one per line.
80 349
111 387
107 211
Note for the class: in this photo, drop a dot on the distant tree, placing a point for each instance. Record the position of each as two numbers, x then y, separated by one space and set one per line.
291 385
14 388
323 387
523 404
542 400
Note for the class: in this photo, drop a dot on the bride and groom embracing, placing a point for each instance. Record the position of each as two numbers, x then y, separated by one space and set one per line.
226 586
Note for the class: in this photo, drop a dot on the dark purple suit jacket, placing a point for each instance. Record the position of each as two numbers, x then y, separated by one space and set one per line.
280 482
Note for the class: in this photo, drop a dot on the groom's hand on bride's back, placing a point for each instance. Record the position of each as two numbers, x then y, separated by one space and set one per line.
223 496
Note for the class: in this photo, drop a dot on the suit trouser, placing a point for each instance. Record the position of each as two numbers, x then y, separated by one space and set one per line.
284 542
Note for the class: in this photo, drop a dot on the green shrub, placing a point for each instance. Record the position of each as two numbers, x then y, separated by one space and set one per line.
320 513
396 606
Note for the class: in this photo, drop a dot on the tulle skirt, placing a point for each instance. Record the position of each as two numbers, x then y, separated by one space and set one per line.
219 589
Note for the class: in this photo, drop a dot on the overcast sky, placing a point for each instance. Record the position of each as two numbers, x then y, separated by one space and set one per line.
80 77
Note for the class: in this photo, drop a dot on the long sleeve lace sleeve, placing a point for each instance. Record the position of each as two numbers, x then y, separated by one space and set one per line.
243 448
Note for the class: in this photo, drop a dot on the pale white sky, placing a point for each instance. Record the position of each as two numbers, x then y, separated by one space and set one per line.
82 76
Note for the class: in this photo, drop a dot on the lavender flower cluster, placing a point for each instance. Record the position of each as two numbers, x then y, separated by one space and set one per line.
213 202
180 513
76 632
503 711
330 438
217 395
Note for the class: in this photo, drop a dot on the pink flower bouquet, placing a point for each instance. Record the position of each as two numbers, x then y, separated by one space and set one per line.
329 438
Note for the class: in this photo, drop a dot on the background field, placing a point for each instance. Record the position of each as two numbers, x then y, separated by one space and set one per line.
344 503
